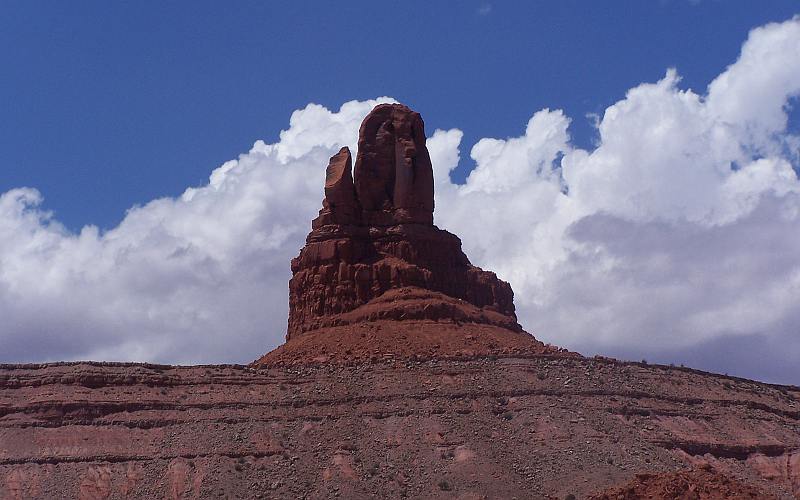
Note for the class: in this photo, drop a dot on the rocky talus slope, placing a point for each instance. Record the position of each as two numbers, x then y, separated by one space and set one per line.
524 427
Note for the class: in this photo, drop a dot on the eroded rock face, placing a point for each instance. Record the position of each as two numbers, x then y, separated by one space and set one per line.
393 174
375 233
393 169
340 205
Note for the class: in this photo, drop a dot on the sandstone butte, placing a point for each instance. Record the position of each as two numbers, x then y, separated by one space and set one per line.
405 374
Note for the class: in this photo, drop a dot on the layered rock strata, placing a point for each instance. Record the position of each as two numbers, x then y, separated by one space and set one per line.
375 233
541 427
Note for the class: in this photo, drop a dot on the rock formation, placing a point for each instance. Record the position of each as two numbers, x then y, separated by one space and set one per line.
375 233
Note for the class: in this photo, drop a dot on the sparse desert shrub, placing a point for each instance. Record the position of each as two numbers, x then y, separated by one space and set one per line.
444 485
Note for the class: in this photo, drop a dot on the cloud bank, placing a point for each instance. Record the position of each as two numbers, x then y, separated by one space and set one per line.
676 238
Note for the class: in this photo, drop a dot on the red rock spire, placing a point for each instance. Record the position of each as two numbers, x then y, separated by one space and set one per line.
393 167
393 174
375 233
340 205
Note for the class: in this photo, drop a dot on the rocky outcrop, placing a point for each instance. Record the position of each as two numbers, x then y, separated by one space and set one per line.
375 233
394 175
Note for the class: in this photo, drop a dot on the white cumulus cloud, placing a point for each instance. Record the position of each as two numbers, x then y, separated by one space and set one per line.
676 238
678 233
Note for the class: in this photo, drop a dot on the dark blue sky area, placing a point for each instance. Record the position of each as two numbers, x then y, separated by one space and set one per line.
106 104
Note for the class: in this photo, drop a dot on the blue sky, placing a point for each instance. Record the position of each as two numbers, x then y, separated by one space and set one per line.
111 104
629 167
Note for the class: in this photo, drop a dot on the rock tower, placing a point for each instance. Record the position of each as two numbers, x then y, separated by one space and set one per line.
374 253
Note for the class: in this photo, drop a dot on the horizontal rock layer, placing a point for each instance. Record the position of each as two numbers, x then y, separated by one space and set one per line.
533 427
